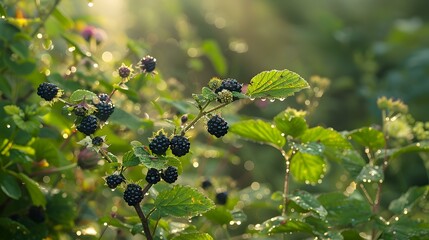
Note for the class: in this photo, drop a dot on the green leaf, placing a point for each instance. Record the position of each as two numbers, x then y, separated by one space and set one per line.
275 84
219 214
65 21
394 153
306 201
172 161
214 53
129 120
13 110
61 209
409 199
130 160
193 236
30 124
81 94
312 148
137 229
44 149
2 11
370 174
259 131
208 94
12 229
344 211
34 190
20 67
112 157
9 186
280 224
307 168
369 137
352 162
149 161
182 201
115 222
290 124
406 228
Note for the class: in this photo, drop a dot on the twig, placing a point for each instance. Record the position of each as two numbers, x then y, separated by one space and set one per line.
144 222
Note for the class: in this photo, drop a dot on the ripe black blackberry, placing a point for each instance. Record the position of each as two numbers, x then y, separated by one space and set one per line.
124 71
170 174
217 126
47 91
153 176
179 145
231 85
114 180
88 125
97 141
148 64
36 213
222 198
206 184
80 110
133 194
104 110
159 144
103 97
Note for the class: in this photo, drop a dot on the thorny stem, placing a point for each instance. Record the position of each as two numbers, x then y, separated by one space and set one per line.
103 153
286 181
201 114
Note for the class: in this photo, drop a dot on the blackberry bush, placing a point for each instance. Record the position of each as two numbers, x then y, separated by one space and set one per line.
217 126
170 174
114 180
179 145
88 125
47 91
133 194
153 176
159 144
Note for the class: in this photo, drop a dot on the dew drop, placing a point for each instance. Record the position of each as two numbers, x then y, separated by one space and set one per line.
252 99
282 99
272 100
263 99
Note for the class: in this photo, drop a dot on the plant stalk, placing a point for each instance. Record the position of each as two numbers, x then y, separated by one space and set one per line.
144 222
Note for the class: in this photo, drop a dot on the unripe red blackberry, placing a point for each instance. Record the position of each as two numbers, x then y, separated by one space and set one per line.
159 144
217 126
88 125
148 64
97 141
47 91
124 71
170 174
114 180
133 194
153 176
104 110
179 145
222 198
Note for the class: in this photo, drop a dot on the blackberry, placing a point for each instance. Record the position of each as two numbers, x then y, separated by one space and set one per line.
222 198
206 184
97 141
179 145
153 176
231 85
184 119
114 180
225 96
133 194
88 125
124 71
80 111
103 97
217 126
104 110
170 174
159 144
36 213
47 91
148 64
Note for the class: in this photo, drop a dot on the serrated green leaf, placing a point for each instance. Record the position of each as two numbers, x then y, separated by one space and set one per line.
13 110
9 186
406 228
208 94
212 50
193 236
344 211
136 229
307 168
352 161
149 161
182 201
259 131
112 157
290 124
409 199
130 160
219 214
82 94
44 149
275 84
173 161
129 120
312 148
239 95
30 124
36 194
308 202
280 224
396 152
370 174
368 137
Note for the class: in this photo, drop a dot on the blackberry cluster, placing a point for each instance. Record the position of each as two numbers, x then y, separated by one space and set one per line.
170 174
114 180
153 176
103 97
97 141
47 91
104 110
179 145
80 111
222 198
36 213
217 126
124 71
88 125
133 194
159 144
230 84
148 64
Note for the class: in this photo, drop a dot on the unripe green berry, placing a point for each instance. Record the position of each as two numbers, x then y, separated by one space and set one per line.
225 96
215 83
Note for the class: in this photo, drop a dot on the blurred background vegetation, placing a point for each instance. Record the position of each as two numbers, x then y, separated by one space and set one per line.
366 48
